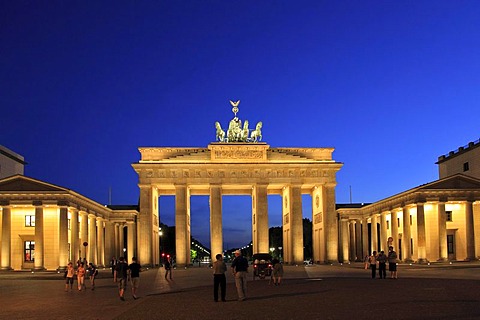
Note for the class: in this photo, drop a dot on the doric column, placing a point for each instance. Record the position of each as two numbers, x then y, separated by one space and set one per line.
130 240
421 235
181 220
109 239
6 238
374 233
442 232
365 237
469 230
121 240
92 239
383 232
358 240
297 224
260 219
39 236
394 225
83 234
345 240
216 229
74 239
63 238
116 241
100 243
331 223
145 226
407 235
352 250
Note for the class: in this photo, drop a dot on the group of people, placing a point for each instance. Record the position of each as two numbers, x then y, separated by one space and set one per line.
381 259
81 272
121 271
239 270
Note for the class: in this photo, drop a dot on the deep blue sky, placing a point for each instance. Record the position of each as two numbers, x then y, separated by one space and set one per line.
391 85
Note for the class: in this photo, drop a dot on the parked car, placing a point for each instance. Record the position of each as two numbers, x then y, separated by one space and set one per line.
262 265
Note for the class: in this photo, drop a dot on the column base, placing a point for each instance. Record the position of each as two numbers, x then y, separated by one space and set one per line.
6 269
442 260
39 269
422 261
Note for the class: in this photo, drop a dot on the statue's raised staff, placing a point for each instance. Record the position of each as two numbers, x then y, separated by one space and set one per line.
257 133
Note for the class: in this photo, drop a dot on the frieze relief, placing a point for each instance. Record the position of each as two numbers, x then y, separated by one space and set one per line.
233 173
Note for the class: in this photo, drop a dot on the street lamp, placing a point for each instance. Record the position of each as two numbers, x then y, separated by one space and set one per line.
124 253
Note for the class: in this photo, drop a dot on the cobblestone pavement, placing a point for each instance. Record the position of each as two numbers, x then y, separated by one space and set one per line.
438 291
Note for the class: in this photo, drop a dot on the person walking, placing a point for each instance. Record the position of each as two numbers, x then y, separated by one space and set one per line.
113 265
277 272
69 273
373 263
239 270
382 265
121 276
81 277
92 272
168 268
219 279
392 263
134 269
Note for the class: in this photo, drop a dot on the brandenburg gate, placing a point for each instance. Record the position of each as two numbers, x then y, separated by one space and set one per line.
238 163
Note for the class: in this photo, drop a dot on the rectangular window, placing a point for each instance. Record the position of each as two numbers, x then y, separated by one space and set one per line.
465 167
69 225
450 245
29 221
29 251
411 246
411 220
398 222
388 224
449 215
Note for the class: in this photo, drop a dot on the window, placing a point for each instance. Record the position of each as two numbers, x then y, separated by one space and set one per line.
465 167
388 224
411 220
398 222
29 251
29 221
449 215
69 226
450 244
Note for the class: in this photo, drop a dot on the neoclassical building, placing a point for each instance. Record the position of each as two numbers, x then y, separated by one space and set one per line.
437 221
44 226
239 168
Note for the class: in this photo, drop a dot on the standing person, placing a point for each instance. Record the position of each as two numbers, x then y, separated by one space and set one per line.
392 262
81 277
277 272
121 277
219 279
113 265
134 269
373 263
382 265
168 268
93 272
69 273
240 269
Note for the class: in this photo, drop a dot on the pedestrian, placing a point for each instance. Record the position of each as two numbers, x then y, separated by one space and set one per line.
277 272
219 279
121 277
392 263
134 270
92 272
113 265
81 277
240 269
69 273
373 263
168 267
382 265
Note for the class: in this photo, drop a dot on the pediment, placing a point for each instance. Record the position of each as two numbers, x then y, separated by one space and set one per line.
21 183
458 181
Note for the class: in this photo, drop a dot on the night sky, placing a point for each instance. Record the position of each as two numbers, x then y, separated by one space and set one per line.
391 85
